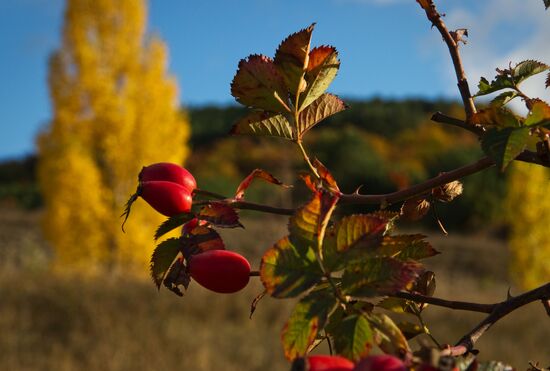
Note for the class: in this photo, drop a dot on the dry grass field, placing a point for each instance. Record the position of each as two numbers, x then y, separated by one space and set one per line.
52 322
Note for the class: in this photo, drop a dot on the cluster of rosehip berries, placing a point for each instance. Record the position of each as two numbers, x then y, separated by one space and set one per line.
337 363
168 188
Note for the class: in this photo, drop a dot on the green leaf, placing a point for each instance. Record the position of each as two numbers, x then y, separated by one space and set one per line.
500 82
308 221
306 321
378 276
172 223
504 98
503 145
407 247
259 84
220 215
291 57
163 257
539 114
353 237
495 116
326 105
319 74
288 269
526 69
353 337
547 83
396 305
410 330
261 123
388 336
257 174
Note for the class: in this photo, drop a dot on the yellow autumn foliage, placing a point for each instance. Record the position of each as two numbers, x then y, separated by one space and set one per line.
528 213
115 109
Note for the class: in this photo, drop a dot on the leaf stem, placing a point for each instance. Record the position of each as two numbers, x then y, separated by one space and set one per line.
306 158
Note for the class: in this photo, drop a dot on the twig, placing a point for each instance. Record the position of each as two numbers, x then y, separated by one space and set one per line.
458 305
444 119
418 189
245 205
466 344
452 44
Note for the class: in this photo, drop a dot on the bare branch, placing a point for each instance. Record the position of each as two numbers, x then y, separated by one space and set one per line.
444 119
452 44
466 344
452 304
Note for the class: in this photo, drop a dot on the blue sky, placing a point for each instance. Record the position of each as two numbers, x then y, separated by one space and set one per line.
386 48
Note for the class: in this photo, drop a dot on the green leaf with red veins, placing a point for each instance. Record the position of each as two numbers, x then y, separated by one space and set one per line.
504 145
259 84
261 123
378 276
220 215
388 336
201 239
292 58
354 236
319 78
257 174
306 321
353 337
288 269
539 114
324 106
406 247
308 223
162 258
172 223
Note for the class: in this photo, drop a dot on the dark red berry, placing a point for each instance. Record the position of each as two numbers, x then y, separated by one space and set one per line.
167 198
168 172
220 270
382 362
329 363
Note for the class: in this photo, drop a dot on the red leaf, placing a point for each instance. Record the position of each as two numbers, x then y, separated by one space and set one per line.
257 173
220 214
318 55
201 239
326 176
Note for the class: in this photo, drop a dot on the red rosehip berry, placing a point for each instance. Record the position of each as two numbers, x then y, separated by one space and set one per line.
167 198
168 172
220 271
329 363
382 362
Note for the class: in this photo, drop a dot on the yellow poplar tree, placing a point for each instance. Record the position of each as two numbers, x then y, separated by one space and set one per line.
115 109
528 213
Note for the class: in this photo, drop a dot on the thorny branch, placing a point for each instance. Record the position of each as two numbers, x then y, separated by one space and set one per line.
466 344
452 43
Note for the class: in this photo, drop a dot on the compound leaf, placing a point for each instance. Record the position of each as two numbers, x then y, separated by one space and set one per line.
259 84
504 98
378 276
500 82
172 223
503 145
263 123
306 321
539 114
162 258
353 337
388 336
220 215
407 247
528 68
324 106
257 174
288 269
291 57
320 76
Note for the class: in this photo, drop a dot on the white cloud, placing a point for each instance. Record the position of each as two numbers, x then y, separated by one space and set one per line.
482 54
